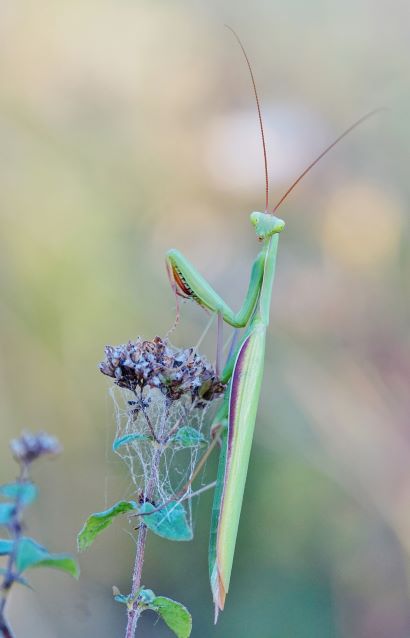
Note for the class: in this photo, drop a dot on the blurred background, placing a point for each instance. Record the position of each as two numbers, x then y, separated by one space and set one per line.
129 127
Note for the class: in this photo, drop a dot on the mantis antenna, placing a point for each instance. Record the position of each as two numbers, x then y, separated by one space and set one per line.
265 160
315 161
327 149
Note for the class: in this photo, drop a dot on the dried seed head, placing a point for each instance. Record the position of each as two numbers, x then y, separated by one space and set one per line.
155 364
29 447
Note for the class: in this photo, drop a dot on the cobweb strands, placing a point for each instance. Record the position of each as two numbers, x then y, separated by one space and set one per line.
162 396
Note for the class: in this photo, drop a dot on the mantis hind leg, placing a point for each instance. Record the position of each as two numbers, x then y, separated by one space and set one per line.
219 345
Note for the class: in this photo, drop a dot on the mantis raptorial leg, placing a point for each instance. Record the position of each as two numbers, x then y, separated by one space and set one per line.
243 371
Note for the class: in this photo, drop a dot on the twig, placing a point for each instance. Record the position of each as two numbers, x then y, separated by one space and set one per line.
172 431
205 488
151 427
9 575
135 612
5 630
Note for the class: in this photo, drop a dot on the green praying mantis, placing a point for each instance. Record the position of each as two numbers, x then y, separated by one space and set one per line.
243 372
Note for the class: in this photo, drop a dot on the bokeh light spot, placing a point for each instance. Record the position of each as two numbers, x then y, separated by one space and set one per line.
362 227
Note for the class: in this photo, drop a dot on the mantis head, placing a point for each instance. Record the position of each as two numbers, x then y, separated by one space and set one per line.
266 225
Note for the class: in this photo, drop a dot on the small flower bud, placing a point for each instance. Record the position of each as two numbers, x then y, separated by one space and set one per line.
29 447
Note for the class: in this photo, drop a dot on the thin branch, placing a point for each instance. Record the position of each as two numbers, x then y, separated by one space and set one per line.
9 575
5 630
151 427
205 488
135 612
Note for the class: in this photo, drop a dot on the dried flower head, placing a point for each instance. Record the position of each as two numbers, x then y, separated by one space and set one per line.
155 364
29 447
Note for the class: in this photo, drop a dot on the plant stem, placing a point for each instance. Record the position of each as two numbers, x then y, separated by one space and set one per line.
135 612
9 576
5 630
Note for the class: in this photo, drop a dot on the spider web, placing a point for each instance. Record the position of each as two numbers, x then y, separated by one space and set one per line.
160 465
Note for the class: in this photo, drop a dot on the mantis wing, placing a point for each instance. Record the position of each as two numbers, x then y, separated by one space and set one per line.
233 465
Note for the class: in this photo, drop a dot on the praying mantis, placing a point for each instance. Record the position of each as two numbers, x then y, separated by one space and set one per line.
243 371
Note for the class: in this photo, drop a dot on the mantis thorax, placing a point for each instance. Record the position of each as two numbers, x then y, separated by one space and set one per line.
266 224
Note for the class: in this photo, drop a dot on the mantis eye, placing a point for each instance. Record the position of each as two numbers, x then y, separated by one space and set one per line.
266 224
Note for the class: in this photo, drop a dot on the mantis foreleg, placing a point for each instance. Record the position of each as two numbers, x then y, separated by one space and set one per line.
191 284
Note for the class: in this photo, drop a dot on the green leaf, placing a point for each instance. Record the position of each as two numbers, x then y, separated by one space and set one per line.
26 493
6 546
189 437
129 438
175 615
169 522
31 554
98 521
6 513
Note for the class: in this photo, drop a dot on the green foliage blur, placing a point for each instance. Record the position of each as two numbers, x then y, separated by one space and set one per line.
129 127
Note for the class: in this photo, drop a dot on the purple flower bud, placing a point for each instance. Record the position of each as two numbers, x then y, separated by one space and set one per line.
29 447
